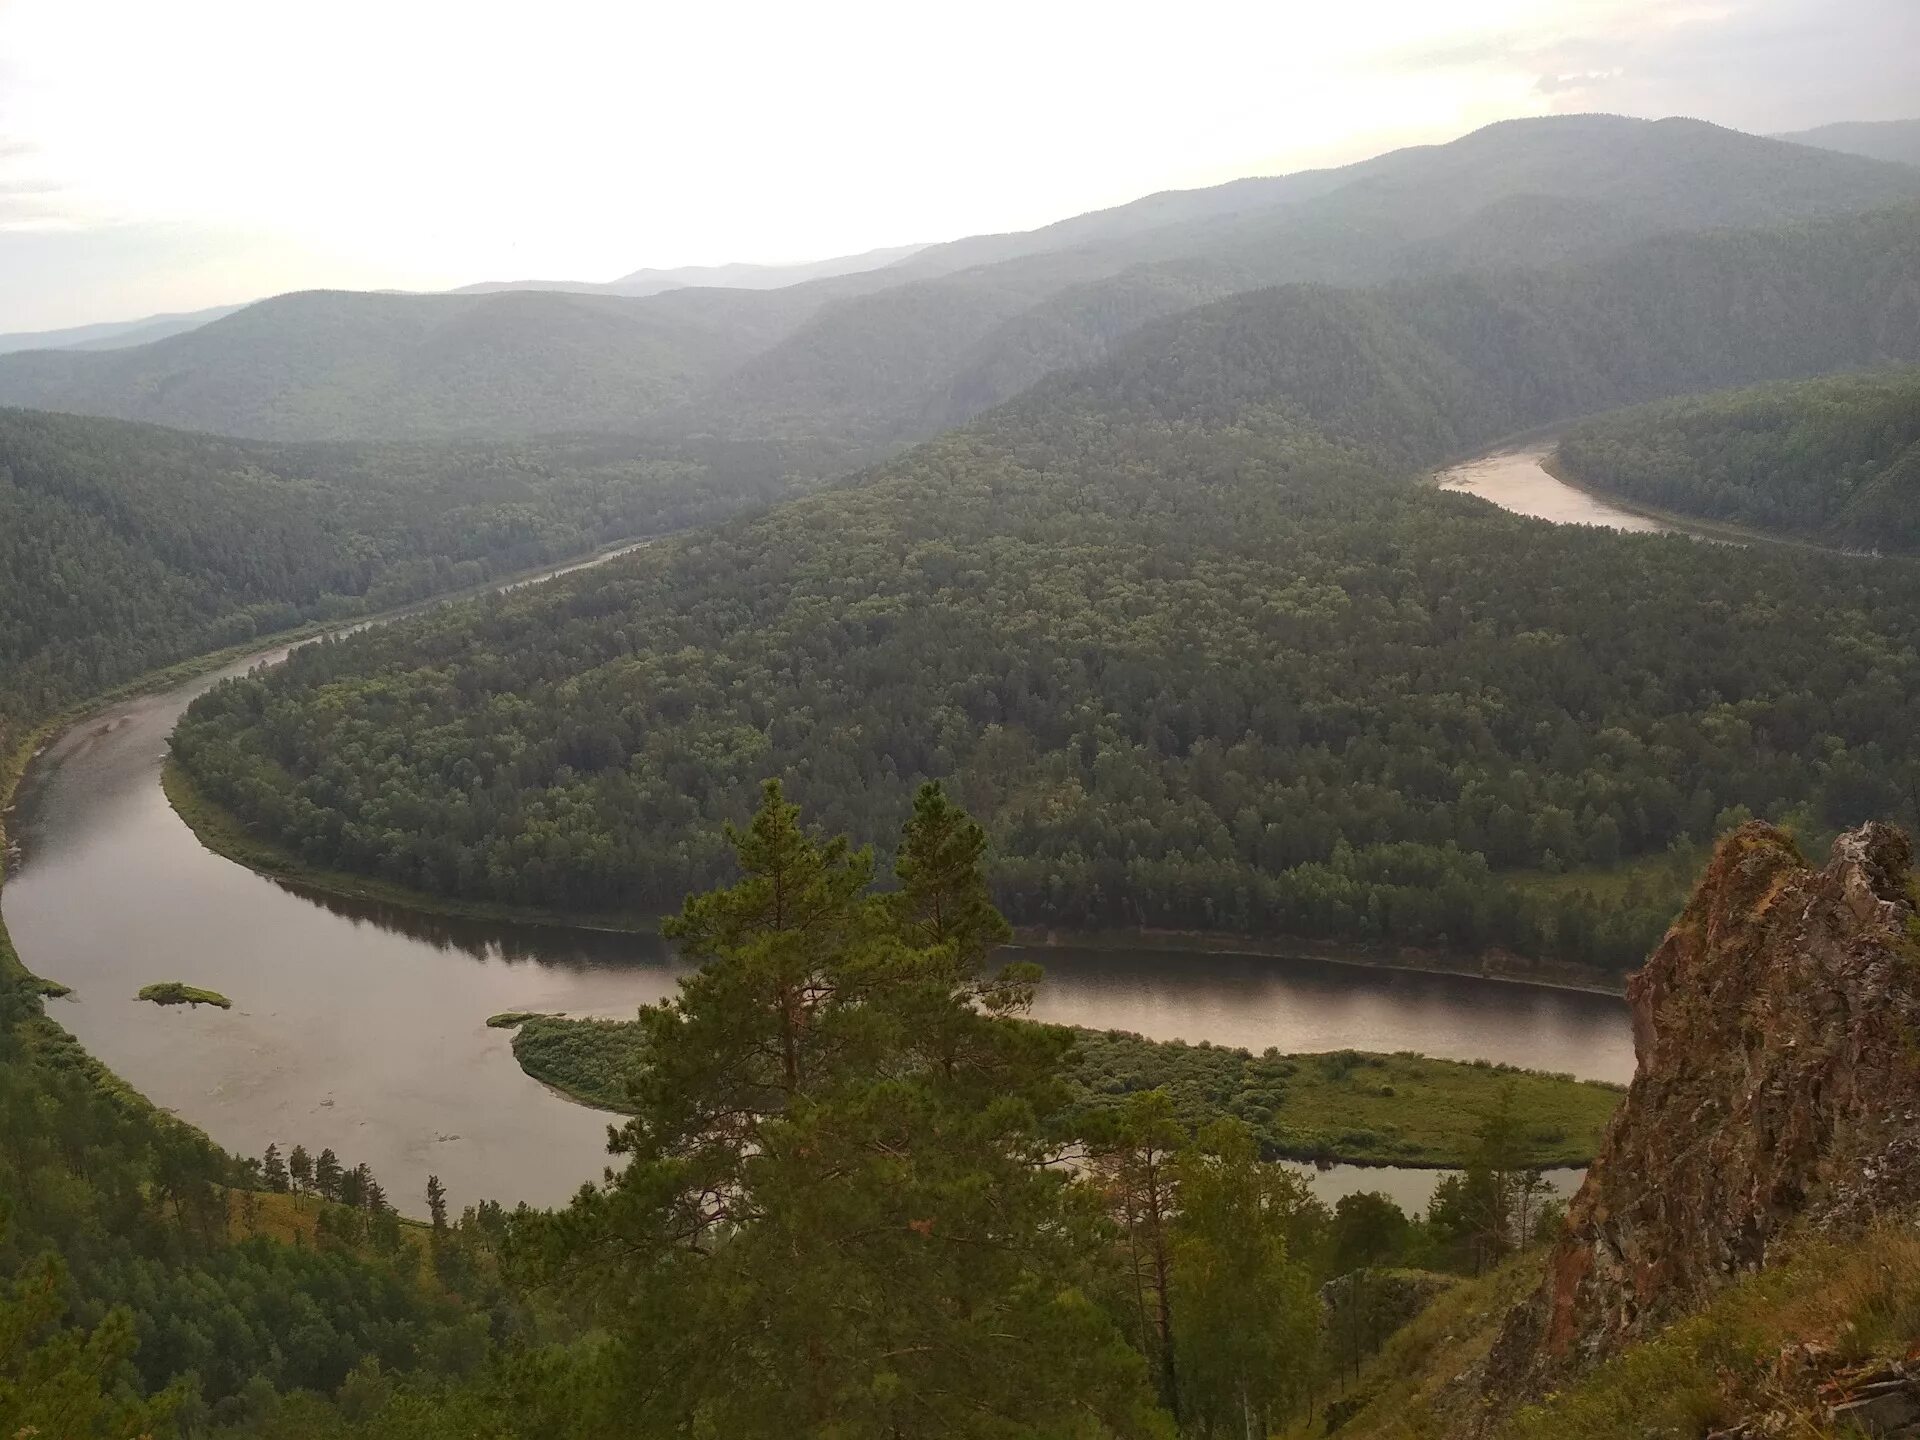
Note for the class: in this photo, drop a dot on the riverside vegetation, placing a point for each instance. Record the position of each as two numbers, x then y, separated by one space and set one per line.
1341 1105
1835 461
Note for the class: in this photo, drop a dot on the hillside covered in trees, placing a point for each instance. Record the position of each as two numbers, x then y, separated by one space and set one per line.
1183 632
1833 461
337 365
127 547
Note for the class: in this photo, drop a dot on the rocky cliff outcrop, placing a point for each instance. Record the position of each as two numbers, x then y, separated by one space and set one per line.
1777 1032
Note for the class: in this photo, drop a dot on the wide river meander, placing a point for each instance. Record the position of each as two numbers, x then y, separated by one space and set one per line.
362 1027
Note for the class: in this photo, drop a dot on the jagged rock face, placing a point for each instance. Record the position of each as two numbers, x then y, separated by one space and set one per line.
1777 1033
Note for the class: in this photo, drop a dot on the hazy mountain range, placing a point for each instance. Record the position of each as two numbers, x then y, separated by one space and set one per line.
882 352
1896 140
731 277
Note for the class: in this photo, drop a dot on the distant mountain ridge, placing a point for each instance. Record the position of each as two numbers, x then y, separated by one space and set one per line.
735 276
908 361
866 360
1893 140
331 365
113 334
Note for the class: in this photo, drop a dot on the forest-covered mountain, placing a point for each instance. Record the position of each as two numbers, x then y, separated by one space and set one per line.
911 360
872 359
1182 633
334 365
1834 461
126 547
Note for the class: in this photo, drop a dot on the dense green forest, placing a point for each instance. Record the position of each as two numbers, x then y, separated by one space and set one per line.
127 547
842 1189
1834 461
1184 633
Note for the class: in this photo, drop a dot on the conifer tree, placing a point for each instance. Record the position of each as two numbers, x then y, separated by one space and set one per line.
838 1163
326 1175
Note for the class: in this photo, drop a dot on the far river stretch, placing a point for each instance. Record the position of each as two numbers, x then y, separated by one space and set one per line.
363 1028
1517 480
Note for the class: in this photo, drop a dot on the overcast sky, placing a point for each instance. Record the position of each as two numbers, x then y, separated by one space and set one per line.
169 154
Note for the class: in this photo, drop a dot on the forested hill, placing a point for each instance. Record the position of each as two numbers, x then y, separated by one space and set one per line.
125 547
1833 461
332 365
1424 370
1181 631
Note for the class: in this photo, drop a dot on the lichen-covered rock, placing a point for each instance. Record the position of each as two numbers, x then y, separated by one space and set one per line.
1777 1034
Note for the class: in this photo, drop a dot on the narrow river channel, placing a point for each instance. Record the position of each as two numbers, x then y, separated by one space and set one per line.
362 1027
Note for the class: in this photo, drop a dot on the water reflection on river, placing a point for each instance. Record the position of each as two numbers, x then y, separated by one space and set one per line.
362 1027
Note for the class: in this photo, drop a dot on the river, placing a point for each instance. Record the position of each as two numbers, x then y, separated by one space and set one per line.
1517 480
362 1027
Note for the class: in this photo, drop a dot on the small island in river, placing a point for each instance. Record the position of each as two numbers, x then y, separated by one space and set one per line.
174 992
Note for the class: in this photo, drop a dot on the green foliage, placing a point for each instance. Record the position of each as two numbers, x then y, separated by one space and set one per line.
593 1061
1248 1320
61 1383
175 992
1835 461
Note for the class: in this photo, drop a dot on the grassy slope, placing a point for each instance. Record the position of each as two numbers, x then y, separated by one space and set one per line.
1401 1109
1344 1106
1853 1304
